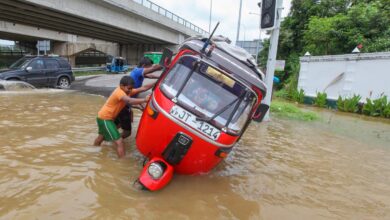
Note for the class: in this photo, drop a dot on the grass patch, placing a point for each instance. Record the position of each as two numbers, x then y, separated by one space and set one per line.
288 110
88 73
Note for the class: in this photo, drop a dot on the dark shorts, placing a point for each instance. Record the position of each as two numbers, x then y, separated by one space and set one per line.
124 118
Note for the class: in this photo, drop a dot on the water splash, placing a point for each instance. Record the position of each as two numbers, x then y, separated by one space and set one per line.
15 85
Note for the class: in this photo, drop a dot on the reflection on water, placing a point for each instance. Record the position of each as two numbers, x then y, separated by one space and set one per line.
337 168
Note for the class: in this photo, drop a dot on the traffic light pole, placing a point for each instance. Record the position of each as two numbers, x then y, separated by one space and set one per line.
239 23
259 41
273 49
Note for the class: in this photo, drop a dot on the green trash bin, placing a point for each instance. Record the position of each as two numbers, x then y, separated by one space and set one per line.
154 56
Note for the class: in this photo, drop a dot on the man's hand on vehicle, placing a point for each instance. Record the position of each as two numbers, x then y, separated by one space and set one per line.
147 98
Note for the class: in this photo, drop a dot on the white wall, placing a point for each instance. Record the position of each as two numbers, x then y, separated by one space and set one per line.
366 74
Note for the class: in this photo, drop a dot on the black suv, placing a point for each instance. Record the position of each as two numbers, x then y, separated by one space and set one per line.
40 71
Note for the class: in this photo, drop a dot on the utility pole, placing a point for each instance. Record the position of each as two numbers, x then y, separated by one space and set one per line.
211 8
269 77
239 22
258 42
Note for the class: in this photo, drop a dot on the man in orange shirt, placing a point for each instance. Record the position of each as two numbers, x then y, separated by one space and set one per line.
125 117
110 110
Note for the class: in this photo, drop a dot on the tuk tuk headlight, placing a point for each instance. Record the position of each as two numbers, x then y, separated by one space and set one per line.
155 170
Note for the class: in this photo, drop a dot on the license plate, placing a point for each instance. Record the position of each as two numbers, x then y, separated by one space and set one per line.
190 119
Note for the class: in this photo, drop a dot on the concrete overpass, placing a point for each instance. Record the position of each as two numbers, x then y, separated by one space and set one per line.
117 27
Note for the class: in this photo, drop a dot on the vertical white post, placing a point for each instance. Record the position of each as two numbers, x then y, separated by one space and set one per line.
258 42
239 22
211 8
272 60
38 48
45 47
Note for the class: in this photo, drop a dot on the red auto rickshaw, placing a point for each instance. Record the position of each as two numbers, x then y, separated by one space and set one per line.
199 108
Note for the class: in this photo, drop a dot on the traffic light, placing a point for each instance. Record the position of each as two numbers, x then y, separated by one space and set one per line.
268 14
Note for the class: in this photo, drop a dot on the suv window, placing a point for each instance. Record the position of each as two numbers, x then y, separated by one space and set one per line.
64 63
21 63
52 64
37 65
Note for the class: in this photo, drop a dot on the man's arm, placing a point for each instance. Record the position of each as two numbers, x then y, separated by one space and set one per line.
135 101
152 76
148 70
142 88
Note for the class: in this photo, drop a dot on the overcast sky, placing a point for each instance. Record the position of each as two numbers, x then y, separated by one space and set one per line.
6 42
224 11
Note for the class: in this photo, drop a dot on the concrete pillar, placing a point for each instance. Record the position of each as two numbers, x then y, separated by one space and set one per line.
121 49
132 53
72 60
67 50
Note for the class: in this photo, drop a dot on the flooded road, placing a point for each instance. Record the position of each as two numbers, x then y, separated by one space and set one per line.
335 168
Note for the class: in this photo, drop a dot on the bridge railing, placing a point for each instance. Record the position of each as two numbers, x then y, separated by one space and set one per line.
13 50
162 11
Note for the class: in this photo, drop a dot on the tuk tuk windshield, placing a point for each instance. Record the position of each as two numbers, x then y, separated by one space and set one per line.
209 94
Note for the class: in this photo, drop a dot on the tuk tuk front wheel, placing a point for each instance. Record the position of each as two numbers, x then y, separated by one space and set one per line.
138 185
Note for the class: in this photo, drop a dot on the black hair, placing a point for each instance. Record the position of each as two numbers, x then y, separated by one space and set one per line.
145 61
126 81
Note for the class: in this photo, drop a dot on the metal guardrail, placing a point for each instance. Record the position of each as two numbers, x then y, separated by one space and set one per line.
13 50
14 53
162 11
85 69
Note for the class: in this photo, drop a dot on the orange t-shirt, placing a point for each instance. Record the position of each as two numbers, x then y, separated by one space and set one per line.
113 105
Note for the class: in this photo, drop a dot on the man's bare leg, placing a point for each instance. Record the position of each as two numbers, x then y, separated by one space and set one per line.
120 147
98 141
126 133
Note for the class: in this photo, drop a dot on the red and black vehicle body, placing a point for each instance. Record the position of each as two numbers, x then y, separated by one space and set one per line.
199 109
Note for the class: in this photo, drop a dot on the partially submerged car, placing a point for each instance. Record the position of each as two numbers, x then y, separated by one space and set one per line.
199 109
40 71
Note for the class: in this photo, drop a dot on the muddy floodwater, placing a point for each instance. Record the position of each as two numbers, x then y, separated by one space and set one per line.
334 168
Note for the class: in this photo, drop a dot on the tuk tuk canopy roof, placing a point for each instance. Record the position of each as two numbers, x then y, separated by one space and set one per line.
234 60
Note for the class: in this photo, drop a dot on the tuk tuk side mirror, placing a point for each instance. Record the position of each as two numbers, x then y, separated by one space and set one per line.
28 69
260 112
166 57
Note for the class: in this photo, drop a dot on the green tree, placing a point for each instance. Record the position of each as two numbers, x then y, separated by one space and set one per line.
322 38
364 23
